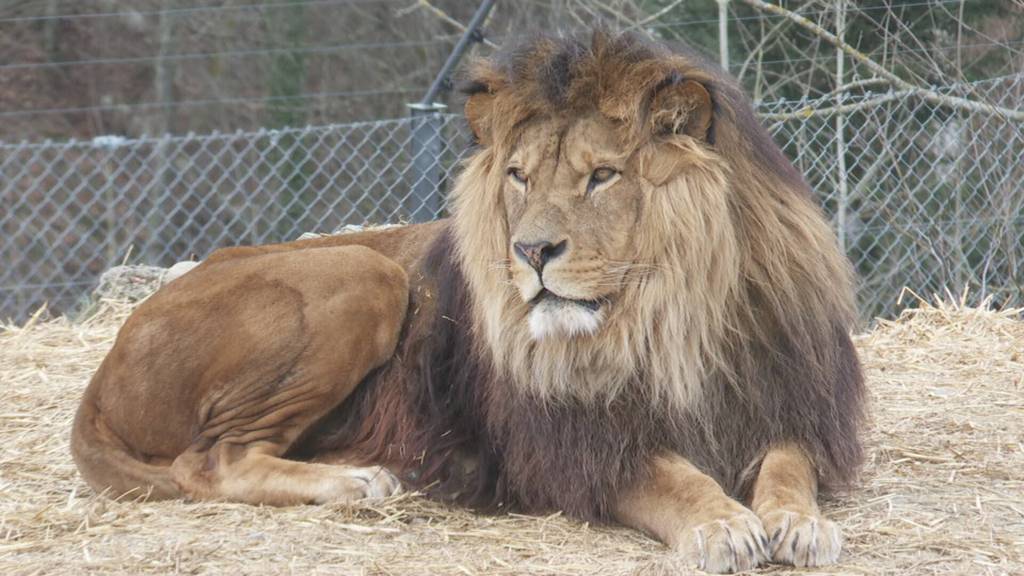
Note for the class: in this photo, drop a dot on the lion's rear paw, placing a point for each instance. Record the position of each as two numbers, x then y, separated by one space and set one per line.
802 539
359 483
729 544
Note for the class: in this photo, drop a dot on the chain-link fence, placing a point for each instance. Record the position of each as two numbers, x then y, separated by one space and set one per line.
922 194
72 210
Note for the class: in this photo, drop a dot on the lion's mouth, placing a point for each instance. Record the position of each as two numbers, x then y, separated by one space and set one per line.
546 295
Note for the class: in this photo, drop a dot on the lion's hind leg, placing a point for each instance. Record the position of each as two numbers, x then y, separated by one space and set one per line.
785 499
345 308
257 475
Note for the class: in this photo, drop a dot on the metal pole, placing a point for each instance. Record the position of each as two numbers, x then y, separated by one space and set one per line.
155 246
471 35
723 34
843 202
426 201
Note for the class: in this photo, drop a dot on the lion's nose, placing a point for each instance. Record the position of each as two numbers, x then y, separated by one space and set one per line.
538 254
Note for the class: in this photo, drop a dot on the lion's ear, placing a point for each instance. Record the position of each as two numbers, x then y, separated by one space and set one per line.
478 113
682 108
484 80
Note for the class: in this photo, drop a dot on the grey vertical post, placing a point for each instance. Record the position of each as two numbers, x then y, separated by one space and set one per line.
723 34
155 246
426 198
425 201
108 147
843 202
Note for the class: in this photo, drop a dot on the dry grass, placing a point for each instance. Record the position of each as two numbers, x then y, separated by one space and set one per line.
943 491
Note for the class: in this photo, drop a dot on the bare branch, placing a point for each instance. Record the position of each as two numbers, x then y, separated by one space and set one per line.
426 5
879 70
618 14
656 15
857 84
810 112
758 51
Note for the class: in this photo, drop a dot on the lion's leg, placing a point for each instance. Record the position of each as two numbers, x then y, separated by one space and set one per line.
338 313
785 499
690 512
256 474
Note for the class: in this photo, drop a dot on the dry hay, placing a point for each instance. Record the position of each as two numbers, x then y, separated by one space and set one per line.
943 490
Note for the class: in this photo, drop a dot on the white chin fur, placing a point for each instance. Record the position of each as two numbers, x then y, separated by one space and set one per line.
549 319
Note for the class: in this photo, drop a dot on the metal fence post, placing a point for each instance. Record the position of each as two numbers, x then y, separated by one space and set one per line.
723 34
425 201
109 146
427 143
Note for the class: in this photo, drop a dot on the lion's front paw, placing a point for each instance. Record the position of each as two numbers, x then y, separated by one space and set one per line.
802 539
731 543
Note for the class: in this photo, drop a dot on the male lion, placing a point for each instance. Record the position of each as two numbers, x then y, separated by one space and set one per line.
636 313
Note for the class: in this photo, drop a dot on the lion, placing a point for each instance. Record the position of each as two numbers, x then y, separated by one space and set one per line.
636 313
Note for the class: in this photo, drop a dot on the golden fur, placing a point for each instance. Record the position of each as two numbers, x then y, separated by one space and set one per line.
708 209
636 313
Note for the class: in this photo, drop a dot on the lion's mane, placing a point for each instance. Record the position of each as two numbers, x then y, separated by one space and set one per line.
735 338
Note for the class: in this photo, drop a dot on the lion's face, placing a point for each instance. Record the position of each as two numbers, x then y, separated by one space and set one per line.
593 221
572 200
570 175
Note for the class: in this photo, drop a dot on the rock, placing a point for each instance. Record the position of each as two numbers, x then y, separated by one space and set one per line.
132 283
178 270
348 229
137 282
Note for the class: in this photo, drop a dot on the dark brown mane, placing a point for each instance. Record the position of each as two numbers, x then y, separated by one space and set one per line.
793 364
439 415
419 414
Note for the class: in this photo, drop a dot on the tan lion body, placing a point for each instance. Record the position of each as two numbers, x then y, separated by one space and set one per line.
636 313
214 377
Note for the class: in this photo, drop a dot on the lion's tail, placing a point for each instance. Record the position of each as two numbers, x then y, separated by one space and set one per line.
107 464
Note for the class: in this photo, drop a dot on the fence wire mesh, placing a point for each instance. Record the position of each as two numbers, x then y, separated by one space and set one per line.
928 196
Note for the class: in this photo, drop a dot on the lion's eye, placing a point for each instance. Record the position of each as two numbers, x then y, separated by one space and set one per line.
517 175
600 176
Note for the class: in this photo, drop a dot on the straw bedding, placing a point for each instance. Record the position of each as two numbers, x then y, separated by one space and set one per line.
942 493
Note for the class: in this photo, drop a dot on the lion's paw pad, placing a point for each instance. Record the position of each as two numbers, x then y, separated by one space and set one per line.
802 539
731 544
